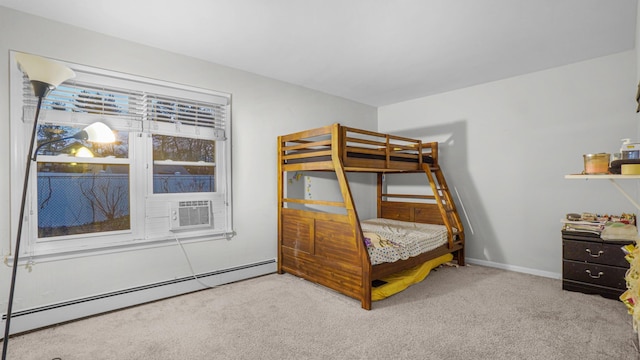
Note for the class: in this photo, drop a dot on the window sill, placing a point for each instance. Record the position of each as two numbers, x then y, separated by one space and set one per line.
136 245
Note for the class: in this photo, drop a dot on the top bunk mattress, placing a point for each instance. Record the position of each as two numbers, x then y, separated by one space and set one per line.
392 240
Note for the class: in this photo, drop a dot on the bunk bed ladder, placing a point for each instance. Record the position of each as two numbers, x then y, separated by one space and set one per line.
447 207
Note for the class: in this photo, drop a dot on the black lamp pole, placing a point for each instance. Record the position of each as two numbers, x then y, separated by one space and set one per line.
44 91
81 135
44 76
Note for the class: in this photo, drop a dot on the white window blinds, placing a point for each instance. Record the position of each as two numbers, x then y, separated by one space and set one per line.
88 102
130 105
199 115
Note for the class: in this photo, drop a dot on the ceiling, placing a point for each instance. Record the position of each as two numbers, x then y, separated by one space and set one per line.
377 52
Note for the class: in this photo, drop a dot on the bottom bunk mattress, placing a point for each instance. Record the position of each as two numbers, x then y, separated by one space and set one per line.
392 240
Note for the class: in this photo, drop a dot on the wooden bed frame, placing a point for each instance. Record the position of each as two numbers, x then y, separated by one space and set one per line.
328 248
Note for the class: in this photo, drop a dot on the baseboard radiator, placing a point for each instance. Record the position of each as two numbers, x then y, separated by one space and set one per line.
39 317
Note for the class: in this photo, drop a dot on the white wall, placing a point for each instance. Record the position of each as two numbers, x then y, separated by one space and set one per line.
507 145
262 110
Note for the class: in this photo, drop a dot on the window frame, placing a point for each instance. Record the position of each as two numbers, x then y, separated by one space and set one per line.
139 160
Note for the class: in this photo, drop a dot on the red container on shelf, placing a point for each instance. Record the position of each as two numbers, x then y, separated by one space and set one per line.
596 163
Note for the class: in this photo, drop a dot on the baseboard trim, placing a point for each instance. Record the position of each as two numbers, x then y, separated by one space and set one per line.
43 316
520 269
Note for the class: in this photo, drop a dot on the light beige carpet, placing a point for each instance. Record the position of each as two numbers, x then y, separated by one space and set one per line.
471 312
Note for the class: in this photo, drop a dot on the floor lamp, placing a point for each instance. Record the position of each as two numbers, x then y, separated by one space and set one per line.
44 75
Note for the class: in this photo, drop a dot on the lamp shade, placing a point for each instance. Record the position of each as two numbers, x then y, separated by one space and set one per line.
99 133
44 74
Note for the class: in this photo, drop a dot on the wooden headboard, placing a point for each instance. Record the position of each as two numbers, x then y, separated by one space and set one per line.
411 211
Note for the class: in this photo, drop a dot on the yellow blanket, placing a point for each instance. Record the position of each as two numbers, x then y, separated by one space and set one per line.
403 279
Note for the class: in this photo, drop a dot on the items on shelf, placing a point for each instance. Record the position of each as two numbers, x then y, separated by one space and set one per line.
596 163
609 227
627 161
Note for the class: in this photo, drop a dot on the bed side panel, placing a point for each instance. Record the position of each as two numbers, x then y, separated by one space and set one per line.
298 233
322 248
336 241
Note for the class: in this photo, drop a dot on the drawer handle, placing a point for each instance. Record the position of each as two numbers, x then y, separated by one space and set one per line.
594 255
600 273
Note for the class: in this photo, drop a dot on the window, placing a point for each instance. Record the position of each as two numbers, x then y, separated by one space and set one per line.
171 160
183 165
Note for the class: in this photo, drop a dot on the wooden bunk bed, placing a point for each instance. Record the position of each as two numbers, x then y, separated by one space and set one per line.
328 248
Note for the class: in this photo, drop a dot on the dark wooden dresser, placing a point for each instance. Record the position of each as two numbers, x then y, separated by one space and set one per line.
593 266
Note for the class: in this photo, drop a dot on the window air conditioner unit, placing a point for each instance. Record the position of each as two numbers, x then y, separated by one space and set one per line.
185 215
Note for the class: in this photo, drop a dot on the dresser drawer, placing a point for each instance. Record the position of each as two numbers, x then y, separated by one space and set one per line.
602 275
594 252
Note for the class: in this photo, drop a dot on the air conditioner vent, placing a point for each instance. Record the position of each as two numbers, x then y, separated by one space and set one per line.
190 214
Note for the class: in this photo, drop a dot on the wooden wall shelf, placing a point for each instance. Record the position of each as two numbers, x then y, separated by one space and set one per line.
603 176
